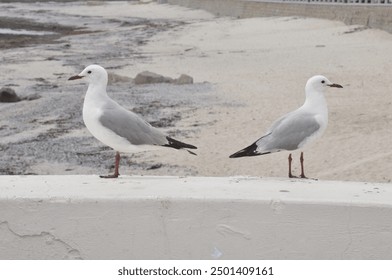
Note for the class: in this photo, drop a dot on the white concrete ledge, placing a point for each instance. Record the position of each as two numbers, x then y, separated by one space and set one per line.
68 217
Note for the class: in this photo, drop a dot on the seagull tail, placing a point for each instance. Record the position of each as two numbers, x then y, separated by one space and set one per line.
248 152
175 144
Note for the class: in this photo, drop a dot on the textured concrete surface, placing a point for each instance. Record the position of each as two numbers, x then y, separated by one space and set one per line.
373 16
85 217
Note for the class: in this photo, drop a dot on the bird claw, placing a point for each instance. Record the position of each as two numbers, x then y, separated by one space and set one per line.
112 176
302 177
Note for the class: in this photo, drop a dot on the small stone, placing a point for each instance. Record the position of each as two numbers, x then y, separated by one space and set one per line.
114 78
8 95
147 77
183 80
155 166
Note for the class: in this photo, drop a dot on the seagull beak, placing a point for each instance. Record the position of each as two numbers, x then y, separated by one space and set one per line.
75 77
335 85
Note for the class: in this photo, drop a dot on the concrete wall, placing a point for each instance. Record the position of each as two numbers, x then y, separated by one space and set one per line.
85 217
375 16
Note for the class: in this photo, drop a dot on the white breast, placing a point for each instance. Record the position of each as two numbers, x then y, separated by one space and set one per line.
317 134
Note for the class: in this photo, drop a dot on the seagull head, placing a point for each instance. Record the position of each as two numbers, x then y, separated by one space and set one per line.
319 83
94 74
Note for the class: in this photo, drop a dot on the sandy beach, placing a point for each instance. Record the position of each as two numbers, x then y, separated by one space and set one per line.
247 73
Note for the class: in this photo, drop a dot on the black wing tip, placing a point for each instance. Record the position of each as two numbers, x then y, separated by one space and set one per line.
173 143
192 153
235 155
247 152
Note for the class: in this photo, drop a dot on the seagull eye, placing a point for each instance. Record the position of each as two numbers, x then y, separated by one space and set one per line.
323 82
90 73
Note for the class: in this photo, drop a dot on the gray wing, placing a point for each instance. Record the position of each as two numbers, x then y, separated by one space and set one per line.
132 127
288 132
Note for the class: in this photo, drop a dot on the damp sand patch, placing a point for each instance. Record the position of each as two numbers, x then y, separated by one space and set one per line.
20 32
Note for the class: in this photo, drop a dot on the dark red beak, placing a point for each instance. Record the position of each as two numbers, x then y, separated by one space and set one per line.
335 85
75 77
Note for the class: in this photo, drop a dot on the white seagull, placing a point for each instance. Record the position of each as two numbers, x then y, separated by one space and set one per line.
113 125
297 128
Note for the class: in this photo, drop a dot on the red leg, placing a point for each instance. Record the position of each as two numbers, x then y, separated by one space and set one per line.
116 167
301 159
290 160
